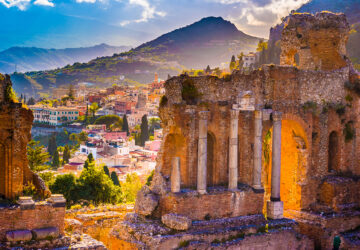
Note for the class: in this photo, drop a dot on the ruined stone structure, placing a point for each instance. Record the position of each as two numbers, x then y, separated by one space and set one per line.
280 141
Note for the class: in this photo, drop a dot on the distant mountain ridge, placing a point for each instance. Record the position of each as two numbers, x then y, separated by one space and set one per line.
210 41
24 59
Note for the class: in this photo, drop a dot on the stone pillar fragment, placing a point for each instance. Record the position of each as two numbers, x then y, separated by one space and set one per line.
202 152
257 151
275 206
175 175
233 149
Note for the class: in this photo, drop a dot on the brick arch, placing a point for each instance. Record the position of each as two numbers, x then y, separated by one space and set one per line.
295 159
175 146
211 159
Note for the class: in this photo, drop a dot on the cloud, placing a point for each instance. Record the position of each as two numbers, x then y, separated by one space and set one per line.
44 3
85 1
147 13
21 4
258 15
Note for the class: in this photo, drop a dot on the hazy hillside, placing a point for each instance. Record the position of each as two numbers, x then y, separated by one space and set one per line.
33 59
210 41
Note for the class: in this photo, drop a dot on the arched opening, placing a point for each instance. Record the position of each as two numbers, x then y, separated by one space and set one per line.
210 160
294 155
175 147
2 169
333 152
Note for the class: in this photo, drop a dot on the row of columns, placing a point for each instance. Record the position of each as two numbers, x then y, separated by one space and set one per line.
233 157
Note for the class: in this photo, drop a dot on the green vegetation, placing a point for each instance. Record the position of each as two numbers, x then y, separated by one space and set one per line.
37 156
144 136
10 95
125 125
150 178
115 179
111 121
189 92
349 131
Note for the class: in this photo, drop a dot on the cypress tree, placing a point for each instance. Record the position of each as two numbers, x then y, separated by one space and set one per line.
66 154
52 147
144 136
115 179
106 170
56 161
232 63
125 126
90 158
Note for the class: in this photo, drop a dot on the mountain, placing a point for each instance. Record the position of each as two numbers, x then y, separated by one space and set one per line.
210 41
351 8
24 59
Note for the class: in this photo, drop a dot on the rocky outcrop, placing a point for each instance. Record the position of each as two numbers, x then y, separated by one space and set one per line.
175 221
146 201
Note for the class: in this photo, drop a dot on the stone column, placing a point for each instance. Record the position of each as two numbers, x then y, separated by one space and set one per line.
275 206
175 175
233 149
202 152
257 150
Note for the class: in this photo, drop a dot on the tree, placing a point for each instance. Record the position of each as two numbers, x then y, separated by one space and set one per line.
66 154
37 156
74 138
232 63
52 147
144 136
262 45
130 187
154 124
208 70
115 179
110 120
94 107
56 161
83 136
71 92
125 126
94 185
31 101
90 158
106 170
65 185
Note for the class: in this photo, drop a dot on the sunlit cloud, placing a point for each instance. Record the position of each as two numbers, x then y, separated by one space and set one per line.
44 3
147 13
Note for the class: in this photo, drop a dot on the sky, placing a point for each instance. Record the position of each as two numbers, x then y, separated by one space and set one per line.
80 23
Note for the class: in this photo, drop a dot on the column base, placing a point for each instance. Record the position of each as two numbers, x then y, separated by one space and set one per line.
202 191
275 209
258 190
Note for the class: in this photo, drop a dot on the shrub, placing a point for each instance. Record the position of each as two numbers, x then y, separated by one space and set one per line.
189 92
163 101
349 131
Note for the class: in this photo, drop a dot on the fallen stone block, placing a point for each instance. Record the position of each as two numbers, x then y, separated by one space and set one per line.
146 201
45 233
18 235
177 222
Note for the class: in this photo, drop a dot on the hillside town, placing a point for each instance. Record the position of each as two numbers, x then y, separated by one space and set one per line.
111 145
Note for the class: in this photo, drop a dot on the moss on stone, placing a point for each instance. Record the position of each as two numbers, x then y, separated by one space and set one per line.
189 92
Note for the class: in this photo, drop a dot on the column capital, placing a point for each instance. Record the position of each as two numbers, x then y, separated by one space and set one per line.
204 115
258 114
234 113
277 116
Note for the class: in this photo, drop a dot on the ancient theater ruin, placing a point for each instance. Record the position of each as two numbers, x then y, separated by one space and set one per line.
280 142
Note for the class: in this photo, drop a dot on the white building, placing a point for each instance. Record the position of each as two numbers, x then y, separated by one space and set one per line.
54 116
249 59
